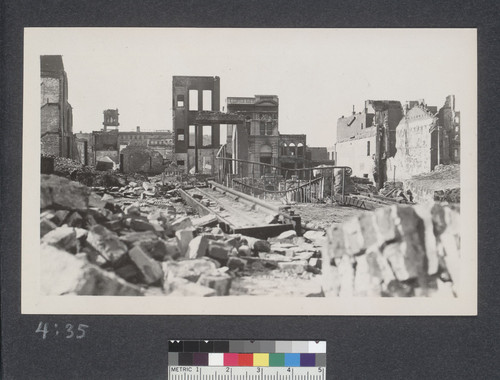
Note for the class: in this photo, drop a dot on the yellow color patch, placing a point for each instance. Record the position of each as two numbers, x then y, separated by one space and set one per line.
261 360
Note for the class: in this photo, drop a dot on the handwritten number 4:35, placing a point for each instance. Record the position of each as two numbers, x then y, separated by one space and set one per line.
69 329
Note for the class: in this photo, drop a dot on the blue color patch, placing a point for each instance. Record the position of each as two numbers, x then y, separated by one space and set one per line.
292 360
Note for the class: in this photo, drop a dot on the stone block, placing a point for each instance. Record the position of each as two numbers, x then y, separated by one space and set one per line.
60 193
155 248
63 237
131 238
181 224
293 267
46 226
184 237
150 269
258 245
188 269
287 235
129 272
204 221
107 243
197 247
60 216
141 225
384 217
315 236
63 274
219 251
236 263
335 242
353 238
367 223
74 220
107 198
244 250
220 282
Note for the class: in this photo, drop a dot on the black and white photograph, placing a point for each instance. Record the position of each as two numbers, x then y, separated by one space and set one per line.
249 171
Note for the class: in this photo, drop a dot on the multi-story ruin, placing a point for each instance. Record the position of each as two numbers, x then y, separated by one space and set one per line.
55 111
367 139
195 143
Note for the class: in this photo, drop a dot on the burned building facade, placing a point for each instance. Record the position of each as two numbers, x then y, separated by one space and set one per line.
365 140
158 141
195 144
257 139
55 111
425 138
292 152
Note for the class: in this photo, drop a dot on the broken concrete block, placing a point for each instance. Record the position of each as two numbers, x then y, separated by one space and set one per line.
271 219
133 210
181 224
155 248
244 250
316 236
353 238
130 238
219 251
129 272
107 243
60 193
385 222
257 245
367 224
293 267
184 237
221 283
107 198
114 225
63 237
207 220
64 274
60 216
46 226
95 201
141 225
335 242
236 263
150 269
197 247
290 234
74 220
188 269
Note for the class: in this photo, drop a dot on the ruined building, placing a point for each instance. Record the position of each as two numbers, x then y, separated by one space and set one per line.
425 138
195 144
257 139
368 138
55 111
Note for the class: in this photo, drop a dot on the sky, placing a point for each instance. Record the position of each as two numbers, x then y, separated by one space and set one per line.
318 74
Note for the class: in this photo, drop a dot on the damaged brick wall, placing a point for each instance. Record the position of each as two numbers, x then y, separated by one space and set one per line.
398 251
141 159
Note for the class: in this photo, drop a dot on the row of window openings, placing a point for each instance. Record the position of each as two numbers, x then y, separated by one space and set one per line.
193 100
206 132
292 151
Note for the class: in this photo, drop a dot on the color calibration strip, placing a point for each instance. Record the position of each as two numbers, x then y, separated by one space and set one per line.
247 353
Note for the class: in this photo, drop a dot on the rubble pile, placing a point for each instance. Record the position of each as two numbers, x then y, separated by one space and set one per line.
396 251
139 240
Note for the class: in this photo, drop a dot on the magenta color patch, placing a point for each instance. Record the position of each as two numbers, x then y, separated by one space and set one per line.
231 360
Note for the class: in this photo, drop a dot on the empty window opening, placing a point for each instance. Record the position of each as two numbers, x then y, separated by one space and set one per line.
207 100
367 148
223 134
180 135
192 136
300 149
180 100
248 124
262 128
193 100
180 162
207 135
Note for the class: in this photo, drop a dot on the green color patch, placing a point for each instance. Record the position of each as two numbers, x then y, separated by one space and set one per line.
276 360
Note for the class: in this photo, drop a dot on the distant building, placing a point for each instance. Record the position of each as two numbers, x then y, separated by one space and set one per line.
258 138
159 141
195 145
292 153
318 156
55 111
367 139
425 138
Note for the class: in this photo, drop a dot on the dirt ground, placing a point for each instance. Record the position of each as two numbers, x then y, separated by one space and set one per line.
321 216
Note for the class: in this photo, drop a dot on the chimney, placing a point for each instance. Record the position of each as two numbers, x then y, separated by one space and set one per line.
353 111
138 128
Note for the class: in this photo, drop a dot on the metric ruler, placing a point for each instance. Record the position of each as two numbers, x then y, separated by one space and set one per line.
246 360
246 373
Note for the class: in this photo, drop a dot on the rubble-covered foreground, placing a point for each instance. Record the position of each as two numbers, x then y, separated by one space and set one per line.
142 240
139 240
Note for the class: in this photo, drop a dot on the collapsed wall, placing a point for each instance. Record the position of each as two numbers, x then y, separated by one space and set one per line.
397 251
